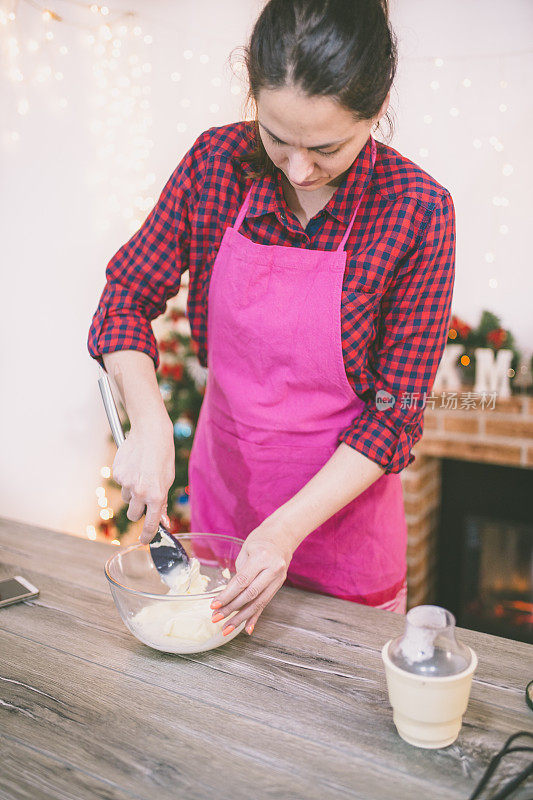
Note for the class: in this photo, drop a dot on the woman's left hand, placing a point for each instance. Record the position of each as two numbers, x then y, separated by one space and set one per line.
262 566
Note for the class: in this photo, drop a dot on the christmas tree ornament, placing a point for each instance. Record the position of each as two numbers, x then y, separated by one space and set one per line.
166 391
182 428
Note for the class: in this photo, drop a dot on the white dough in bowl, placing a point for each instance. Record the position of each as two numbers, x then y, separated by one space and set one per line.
184 625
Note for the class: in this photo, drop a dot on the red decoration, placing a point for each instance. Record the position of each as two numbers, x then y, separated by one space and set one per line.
106 529
167 370
170 346
176 524
497 337
462 328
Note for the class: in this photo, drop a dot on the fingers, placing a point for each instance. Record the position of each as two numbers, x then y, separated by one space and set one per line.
135 509
250 622
155 510
241 583
249 601
251 611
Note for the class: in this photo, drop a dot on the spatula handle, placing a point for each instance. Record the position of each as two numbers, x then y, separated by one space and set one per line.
110 407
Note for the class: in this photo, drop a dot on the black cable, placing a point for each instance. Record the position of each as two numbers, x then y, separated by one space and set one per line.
509 787
515 782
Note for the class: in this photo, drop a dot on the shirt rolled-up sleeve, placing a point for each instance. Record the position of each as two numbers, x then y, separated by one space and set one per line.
415 313
146 271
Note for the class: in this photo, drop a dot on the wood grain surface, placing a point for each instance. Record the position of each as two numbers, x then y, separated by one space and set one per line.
297 711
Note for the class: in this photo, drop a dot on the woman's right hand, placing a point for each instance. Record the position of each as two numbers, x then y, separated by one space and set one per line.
144 466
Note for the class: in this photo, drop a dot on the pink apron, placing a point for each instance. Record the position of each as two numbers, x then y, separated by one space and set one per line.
277 397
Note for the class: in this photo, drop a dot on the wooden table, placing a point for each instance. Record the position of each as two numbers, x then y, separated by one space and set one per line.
297 711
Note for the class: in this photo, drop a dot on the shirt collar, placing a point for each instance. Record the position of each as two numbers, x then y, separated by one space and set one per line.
267 193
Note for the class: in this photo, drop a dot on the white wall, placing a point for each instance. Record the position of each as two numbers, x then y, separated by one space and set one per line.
57 184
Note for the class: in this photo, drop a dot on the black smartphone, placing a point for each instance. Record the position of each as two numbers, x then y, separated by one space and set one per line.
13 590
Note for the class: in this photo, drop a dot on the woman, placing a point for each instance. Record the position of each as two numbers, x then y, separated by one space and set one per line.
321 275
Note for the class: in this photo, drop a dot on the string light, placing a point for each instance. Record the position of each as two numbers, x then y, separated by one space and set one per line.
121 121
498 199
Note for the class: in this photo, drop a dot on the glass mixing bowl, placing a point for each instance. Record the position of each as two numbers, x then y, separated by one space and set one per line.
174 623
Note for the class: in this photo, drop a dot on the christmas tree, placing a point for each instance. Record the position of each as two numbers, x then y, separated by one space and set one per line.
181 380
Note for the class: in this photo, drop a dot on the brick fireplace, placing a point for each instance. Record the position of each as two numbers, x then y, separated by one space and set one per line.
500 434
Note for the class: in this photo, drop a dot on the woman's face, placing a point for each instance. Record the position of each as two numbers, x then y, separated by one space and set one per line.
312 140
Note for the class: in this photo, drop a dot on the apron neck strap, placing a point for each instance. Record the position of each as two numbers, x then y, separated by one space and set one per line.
243 209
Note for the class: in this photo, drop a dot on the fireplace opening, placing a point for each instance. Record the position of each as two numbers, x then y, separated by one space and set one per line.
485 548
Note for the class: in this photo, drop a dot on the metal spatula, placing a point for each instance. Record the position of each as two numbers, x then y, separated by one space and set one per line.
168 554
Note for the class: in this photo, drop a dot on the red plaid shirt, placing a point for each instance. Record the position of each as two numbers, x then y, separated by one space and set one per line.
397 288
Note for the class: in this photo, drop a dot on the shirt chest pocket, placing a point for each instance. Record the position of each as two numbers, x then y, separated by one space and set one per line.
367 272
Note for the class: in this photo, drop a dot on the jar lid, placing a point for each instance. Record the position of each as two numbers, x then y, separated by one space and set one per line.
429 645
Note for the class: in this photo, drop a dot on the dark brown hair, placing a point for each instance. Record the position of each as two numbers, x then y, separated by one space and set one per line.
343 49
